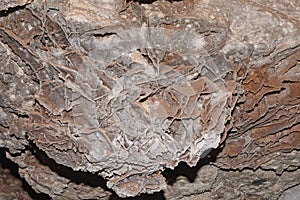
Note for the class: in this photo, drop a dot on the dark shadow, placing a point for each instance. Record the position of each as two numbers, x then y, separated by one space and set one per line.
145 1
5 163
5 13
87 178
94 180
78 177
189 172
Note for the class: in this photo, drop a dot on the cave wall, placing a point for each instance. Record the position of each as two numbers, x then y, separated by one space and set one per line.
158 99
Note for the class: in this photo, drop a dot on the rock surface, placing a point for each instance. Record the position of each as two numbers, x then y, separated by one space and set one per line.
108 98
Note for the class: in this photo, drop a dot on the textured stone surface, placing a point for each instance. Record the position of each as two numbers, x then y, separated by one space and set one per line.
11 187
291 194
135 96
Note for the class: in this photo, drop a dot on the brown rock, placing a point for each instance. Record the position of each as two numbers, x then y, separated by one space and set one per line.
199 99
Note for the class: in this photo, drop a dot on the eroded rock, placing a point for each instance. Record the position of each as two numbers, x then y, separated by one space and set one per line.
125 90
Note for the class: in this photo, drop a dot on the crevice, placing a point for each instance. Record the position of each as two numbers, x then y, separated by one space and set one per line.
78 177
152 1
288 188
143 1
289 81
86 178
20 115
5 13
104 35
254 169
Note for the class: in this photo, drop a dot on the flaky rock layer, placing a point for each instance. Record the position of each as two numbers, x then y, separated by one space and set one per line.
123 91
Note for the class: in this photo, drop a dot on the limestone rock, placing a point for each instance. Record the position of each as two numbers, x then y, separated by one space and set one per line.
125 93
